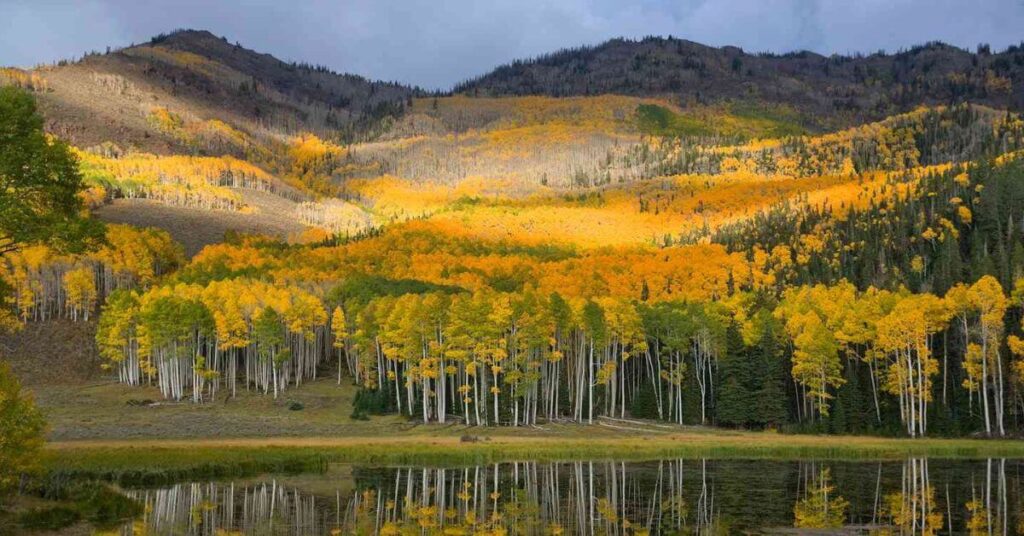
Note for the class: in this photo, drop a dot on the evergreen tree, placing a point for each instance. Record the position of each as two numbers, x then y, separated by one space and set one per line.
736 370
769 397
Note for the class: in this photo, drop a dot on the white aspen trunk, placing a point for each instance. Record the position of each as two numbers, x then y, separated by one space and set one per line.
1000 403
984 384
494 373
910 391
590 383
476 392
622 387
874 390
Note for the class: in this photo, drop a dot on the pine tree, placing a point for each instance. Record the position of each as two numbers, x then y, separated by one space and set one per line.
736 370
770 398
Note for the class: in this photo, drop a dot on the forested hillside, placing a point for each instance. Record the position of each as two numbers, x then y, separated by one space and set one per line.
827 90
654 230
190 120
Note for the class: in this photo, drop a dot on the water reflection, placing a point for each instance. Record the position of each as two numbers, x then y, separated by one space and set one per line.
916 496
913 508
819 507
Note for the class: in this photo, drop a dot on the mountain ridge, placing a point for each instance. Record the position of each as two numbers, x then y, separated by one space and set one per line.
195 122
197 69
864 86
197 73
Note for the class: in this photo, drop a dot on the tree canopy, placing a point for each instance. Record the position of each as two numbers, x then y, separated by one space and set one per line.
39 183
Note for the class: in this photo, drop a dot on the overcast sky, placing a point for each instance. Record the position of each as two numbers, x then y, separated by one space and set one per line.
436 43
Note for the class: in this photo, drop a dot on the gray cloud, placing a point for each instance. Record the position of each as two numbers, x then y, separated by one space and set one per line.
436 43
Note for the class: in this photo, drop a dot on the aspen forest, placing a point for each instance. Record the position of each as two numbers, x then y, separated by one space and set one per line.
866 281
509 255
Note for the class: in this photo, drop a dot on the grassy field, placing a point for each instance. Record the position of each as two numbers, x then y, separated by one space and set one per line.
100 426
56 361
151 461
100 410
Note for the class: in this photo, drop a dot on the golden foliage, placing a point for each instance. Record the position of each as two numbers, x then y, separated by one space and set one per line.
191 181
29 80
46 284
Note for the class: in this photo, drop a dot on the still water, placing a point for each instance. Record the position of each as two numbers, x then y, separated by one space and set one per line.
914 496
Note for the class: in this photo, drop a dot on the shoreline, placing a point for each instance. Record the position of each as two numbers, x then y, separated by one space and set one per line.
119 456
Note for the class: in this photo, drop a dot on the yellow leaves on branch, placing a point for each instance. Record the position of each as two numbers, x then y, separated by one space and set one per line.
964 214
80 285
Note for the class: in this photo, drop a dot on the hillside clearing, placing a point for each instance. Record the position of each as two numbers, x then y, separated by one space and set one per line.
196 229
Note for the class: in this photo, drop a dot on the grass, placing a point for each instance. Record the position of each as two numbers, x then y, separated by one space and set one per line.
744 120
104 409
153 462
771 121
657 120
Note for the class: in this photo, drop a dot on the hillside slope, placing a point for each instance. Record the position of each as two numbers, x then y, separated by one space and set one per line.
828 91
233 140
109 97
591 245
227 138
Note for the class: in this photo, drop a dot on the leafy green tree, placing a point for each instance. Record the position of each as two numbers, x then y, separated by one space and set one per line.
21 432
39 183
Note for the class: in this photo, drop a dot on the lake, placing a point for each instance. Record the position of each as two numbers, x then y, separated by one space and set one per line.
690 496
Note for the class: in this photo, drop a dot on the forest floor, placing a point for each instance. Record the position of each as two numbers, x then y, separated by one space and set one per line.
103 412
57 362
100 426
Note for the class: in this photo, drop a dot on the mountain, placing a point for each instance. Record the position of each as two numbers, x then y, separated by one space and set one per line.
201 136
829 90
110 97
193 122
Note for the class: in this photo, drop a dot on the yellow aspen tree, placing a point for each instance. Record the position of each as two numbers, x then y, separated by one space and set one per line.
343 342
820 507
816 364
904 335
980 309
80 286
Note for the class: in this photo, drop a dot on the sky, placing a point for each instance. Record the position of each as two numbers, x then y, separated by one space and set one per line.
437 43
